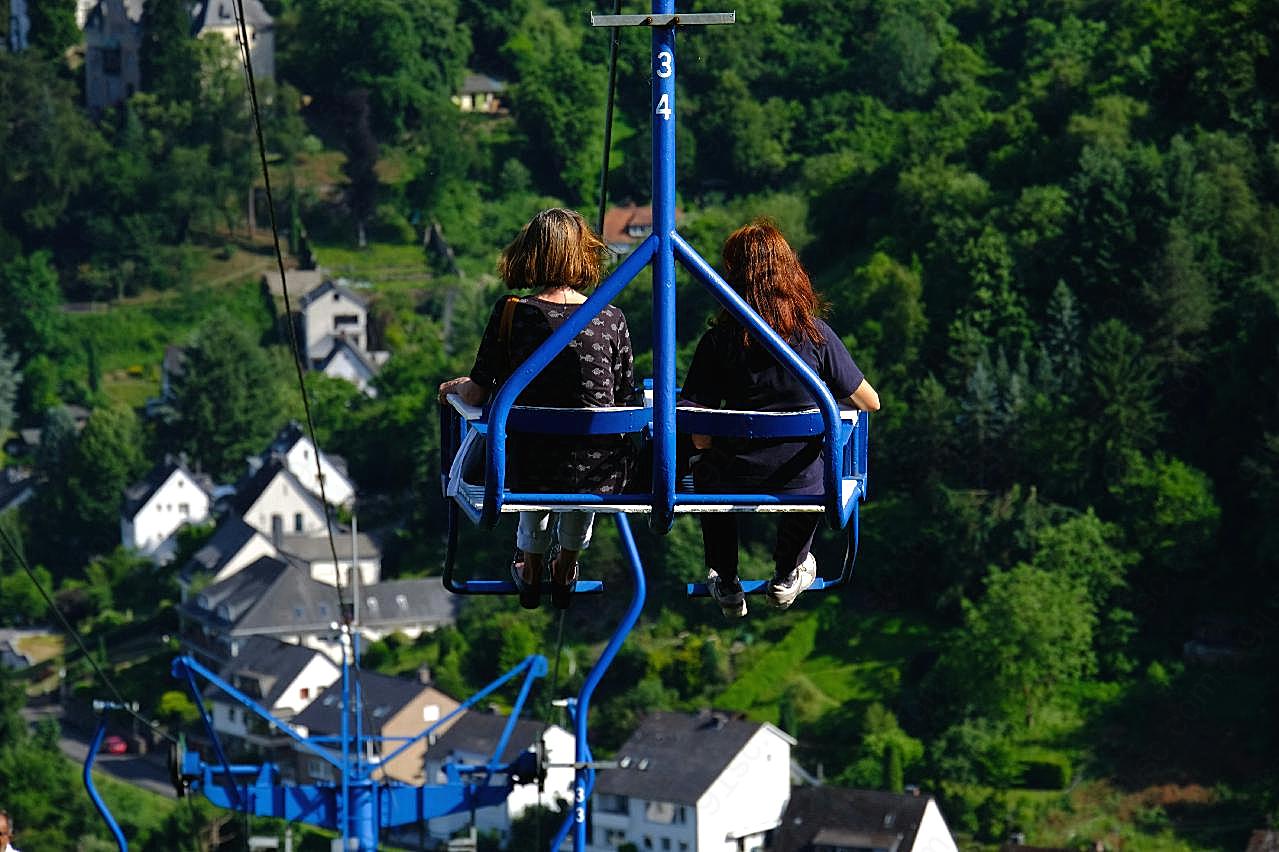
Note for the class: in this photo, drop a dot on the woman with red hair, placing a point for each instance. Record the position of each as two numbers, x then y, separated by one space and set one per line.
731 370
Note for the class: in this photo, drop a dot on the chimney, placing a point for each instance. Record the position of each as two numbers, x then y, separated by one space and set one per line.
424 674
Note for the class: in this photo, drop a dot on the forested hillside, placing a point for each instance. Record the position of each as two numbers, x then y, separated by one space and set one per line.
1048 232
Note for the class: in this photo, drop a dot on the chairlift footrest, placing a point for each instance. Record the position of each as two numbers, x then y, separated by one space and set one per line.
506 587
751 587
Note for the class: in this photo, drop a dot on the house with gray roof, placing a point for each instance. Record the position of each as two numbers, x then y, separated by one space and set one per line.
837 819
274 501
233 545
277 596
112 42
168 498
217 18
294 447
710 782
283 678
393 707
472 739
334 321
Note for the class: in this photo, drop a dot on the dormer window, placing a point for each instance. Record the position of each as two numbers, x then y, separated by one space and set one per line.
402 602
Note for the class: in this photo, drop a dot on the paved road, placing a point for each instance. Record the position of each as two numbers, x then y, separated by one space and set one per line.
146 771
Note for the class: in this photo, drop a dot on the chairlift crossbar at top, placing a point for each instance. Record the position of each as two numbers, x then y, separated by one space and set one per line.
688 19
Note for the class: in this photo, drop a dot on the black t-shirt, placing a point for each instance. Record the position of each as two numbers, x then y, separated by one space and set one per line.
725 374
594 370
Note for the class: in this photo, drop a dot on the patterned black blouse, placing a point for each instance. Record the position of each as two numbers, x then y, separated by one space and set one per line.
596 370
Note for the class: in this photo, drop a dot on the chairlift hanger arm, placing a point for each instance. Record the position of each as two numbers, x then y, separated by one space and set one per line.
686 19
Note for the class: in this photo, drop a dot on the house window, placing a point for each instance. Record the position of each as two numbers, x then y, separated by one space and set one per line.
304 693
648 842
666 844
112 61
431 713
345 319
613 837
683 846
297 522
681 814
402 602
660 812
610 804
185 509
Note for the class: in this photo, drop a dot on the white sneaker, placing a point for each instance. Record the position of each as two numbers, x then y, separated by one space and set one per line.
783 592
729 596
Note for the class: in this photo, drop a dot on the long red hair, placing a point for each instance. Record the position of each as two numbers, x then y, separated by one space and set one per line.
765 271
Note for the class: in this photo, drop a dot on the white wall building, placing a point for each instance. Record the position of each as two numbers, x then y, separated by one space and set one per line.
275 503
298 453
840 819
155 508
694 783
472 739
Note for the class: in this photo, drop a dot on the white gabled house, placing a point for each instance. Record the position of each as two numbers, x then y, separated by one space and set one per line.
233 545
348 362
155 508
706 782
293 446
217 17
472 739
283 678
335 331
275 503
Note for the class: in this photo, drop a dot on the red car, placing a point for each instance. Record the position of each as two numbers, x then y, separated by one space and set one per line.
114 744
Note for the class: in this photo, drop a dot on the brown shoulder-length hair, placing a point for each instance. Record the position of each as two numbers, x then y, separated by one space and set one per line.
765 271
555 249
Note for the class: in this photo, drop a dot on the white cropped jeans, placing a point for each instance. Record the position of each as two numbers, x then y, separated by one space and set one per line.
572 528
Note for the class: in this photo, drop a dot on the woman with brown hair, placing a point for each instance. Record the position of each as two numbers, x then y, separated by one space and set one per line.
732 371
559 258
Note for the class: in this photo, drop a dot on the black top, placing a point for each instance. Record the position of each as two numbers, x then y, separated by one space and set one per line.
595 370
724 374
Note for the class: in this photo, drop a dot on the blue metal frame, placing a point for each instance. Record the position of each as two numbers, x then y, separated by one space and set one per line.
359 806
91 788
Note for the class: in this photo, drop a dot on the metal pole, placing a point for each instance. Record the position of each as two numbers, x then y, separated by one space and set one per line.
664 343
93 791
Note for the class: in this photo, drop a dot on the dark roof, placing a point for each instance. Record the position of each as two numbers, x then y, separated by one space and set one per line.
476 84
659 756
227 540
837 816
404 602
384 696
340 345
264 667
280 596
288 437
331 286
475 733
310 548
137 494
16 485
212 13
250 487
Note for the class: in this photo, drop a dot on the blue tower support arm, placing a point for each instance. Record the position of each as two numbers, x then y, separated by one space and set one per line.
92 789
185 665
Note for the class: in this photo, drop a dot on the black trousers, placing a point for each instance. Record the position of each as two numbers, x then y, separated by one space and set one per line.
795 531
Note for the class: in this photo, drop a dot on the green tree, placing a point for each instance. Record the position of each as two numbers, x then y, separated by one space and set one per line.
167 60
53 27
1030 634
32 323
227 400
1124 399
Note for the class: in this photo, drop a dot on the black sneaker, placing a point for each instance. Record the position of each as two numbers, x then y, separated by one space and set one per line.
782 593
561 593
728 594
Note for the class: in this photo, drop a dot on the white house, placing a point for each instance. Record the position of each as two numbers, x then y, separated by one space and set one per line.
112 42
233 545
274 502
706 782
316 553
217 17
282 677
158 506
331 311
350 363
293 446
472 739
836 819
335 331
